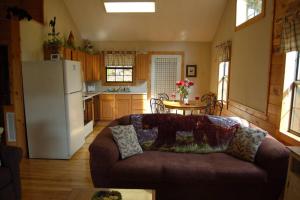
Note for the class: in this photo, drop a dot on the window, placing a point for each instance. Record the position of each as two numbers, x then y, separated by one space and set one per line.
119 74
248 10
119 67
223 81
294 125
290 110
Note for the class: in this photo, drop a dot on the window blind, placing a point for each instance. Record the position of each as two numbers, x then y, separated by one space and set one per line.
165 72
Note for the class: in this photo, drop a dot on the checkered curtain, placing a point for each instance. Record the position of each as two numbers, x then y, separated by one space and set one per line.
164 73
119 59
290 36
224 51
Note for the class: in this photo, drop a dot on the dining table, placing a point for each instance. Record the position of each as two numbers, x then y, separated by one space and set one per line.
179 105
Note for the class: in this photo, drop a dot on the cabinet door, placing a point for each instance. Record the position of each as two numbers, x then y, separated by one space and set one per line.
96 67
88 67
96 108
67 54
123 105
74 54
107 107
81 59
88 111
139 104
142 66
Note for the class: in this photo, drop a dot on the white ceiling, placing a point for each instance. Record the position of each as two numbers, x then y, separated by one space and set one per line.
174 20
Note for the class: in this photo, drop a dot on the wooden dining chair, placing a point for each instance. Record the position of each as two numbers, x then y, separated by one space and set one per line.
209 99
163 96
157 106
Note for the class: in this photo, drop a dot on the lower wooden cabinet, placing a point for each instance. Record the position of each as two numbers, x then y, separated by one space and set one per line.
123 105
139 104
107 107
88 111
113 106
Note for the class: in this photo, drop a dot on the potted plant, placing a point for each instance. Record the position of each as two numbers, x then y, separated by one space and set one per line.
54 43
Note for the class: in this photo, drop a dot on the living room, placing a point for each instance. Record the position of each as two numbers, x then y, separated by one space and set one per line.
221 66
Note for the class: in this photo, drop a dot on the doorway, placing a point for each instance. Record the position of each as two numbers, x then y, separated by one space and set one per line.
4 81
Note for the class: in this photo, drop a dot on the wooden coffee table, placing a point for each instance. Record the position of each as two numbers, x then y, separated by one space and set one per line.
127 194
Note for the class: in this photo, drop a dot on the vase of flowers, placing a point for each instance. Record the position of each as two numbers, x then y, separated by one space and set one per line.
184 89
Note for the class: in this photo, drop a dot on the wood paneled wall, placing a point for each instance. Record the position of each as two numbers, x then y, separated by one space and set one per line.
270 120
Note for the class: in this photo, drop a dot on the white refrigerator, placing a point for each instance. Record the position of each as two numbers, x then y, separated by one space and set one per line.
53 108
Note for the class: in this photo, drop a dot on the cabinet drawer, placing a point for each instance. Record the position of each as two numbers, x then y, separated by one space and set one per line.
123 96
139 96
107 96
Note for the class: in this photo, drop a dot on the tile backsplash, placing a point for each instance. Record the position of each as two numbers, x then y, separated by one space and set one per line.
141 86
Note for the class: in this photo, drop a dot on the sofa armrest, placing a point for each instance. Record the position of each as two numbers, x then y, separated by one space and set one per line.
10 158
104 153
273 157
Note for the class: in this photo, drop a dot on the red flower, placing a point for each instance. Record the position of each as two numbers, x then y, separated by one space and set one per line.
191 83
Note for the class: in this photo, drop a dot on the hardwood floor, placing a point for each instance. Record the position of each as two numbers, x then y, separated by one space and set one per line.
55 179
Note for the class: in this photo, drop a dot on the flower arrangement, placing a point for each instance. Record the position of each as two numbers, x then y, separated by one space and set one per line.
184 87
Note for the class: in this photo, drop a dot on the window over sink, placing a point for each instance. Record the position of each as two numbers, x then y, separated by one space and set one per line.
119 67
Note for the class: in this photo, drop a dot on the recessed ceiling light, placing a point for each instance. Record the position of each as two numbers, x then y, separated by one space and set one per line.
129 6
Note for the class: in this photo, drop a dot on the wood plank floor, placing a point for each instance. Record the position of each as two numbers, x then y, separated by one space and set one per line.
55 179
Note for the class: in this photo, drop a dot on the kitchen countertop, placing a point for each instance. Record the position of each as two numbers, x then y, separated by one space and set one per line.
89 95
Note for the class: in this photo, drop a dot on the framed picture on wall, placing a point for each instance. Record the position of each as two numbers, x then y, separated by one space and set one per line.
191 71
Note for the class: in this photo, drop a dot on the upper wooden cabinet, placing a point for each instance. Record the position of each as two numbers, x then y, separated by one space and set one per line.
96 67
142 66
67 54
92 67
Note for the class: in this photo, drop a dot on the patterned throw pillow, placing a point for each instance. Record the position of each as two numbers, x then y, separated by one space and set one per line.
147 138
126 139
245 143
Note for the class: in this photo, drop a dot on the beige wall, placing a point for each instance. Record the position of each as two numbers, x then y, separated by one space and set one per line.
250 61
33 34
194 53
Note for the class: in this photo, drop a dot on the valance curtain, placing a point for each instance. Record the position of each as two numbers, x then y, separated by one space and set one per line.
224 51
119 59
290 36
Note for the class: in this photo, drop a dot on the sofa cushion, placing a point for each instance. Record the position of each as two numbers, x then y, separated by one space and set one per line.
5 177
125 137
154 167
245 143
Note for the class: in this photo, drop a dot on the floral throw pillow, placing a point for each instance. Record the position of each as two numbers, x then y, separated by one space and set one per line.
126 139
245 143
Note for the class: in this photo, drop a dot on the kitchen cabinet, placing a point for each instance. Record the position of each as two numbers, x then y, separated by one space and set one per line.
142 66
96 67
67 54
139 104
113 106
107 107
88 110
92 67
81 59
96 108
123 105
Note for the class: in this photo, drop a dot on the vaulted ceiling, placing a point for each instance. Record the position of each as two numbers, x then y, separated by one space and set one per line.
174 20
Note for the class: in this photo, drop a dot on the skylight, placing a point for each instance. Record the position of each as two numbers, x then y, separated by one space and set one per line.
119 6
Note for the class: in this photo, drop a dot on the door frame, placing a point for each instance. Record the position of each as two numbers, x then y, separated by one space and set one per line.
152 53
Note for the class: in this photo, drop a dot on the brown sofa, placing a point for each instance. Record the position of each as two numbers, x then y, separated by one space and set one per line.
10 188
213 176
